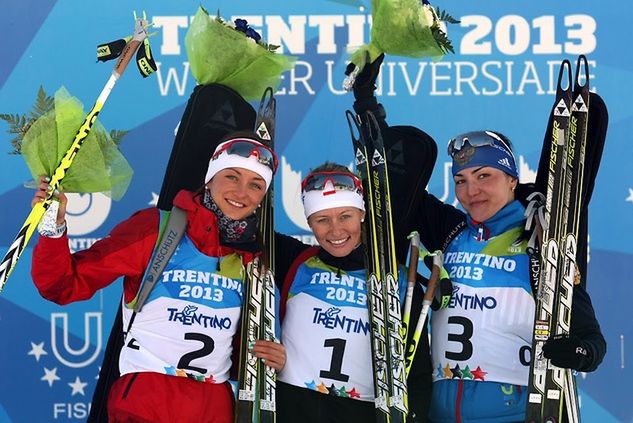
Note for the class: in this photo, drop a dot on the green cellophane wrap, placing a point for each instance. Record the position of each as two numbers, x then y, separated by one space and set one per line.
99 166
220 54
400 28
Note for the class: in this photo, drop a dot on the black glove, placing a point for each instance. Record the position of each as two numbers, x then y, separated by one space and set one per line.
365 85
568 352
444 288
523 191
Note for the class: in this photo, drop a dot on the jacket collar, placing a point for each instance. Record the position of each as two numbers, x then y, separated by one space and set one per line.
510 216
353 261
202 228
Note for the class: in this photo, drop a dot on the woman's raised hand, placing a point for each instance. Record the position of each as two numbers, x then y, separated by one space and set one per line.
41 193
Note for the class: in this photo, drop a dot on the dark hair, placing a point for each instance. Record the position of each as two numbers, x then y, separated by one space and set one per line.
332 167
243 134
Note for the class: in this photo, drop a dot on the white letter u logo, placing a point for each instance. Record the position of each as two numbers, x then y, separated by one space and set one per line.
73 358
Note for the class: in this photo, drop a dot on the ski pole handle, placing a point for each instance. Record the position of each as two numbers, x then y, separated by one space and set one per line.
37 212
435 276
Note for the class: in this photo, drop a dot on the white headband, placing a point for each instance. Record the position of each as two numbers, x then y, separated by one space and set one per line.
225 161
317 200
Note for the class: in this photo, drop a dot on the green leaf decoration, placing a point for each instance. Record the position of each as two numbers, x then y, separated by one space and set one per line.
438 34
117 136
20 124
444 16
405 28
220 54
43 104
45 133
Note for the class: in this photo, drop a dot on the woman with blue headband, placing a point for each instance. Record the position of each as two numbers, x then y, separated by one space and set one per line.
481 343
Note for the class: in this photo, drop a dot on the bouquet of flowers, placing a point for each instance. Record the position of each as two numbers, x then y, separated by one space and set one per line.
42 139
410 28
233 54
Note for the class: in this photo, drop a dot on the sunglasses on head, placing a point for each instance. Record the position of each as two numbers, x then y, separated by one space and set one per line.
339 180
476 139
244 147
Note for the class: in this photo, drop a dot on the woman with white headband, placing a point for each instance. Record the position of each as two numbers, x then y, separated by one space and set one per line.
177 354
328 376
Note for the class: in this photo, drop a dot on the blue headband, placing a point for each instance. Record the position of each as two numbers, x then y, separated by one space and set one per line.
482 148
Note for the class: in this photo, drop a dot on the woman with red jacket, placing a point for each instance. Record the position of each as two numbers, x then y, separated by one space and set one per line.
177 354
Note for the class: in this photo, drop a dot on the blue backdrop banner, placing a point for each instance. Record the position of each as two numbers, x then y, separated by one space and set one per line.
502 76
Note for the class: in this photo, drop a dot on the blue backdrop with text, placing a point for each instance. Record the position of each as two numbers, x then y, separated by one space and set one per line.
502 77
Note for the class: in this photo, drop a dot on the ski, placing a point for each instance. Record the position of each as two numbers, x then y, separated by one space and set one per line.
541 382
387 335
245 410
265 129
256 381
574 195
550 388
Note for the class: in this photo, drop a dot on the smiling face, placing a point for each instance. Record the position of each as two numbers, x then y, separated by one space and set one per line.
483 191
237 191
337 230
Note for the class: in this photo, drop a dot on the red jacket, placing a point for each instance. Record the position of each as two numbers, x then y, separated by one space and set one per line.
63 277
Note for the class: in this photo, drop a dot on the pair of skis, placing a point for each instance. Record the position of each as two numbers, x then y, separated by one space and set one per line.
387 331
256 381
551 390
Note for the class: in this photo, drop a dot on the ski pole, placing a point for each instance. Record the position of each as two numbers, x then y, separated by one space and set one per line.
408 299
436 271
37 212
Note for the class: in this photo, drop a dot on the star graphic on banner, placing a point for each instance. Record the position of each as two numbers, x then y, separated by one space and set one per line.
440 372
457 372
322 388
479 374
466 373
332 390
353 393
50 376
154 201
447 372
78 387
630 197
341 392
37 350
311 385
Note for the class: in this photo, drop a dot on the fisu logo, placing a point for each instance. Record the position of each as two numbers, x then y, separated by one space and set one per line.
86 212
60 344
